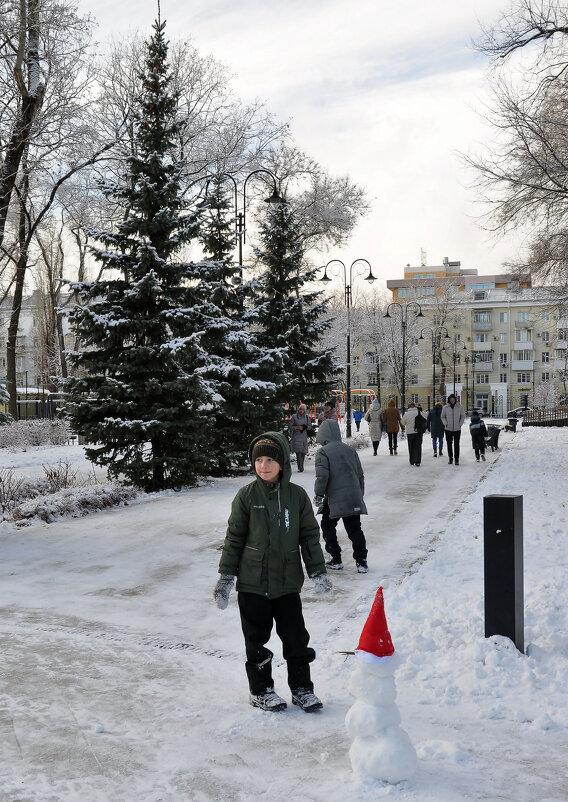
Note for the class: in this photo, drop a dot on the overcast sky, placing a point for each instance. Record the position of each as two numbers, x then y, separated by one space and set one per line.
383 90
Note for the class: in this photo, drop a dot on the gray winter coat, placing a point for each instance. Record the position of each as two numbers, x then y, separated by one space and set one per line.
373 417
339 475
453 417
299 438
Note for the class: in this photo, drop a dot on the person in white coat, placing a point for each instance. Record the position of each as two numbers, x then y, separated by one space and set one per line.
373 418
453 416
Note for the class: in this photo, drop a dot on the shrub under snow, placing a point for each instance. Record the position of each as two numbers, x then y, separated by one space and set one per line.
72 502
20 435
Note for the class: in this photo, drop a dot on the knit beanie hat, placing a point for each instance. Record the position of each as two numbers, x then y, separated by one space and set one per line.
268 448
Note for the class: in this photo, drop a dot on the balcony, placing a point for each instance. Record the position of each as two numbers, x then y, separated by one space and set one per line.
479 326
560 364
522 364
482 346
523 346
483 367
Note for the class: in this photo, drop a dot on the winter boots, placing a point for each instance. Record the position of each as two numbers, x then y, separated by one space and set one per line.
268 700
307 700
362 567
335 563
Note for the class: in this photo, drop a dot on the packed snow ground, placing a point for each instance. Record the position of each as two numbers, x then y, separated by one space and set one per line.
122 681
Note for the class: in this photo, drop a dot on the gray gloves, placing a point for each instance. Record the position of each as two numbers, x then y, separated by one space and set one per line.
319 502
322 583
222 589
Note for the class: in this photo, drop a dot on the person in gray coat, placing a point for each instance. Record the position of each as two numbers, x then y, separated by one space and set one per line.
299 425
339 490
453 416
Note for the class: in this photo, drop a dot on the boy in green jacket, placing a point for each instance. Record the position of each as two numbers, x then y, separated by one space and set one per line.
271 529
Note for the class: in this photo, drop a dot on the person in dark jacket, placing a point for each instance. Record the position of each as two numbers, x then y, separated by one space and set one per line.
271 530
339 490
478 432
436 428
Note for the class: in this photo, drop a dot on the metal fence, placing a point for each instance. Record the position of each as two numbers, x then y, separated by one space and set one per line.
546 417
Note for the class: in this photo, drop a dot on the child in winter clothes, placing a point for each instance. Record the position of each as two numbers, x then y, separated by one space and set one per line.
271 529
339 489
478 432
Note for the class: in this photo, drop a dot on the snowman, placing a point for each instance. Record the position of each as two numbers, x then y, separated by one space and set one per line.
381 749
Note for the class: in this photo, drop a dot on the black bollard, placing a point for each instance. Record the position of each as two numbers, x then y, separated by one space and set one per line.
503 562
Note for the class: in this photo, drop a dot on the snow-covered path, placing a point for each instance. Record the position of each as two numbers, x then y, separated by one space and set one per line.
122 681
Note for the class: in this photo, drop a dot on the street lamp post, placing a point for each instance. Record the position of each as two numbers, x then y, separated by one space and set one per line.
436 334
404 321
348 277
240 216
456 358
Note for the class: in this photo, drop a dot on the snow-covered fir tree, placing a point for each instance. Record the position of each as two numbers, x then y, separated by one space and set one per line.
290 316
140 395
239 370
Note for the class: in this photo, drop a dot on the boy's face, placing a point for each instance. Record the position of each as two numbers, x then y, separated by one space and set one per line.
267 468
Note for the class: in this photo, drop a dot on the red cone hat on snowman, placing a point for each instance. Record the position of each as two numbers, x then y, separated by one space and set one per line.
375 643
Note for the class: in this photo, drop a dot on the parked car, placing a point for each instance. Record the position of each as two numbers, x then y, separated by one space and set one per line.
518 412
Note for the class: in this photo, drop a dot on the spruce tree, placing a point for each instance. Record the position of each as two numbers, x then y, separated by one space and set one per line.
289 316
239 371
138 394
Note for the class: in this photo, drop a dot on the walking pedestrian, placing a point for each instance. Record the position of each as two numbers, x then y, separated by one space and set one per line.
358 417
299 426
373 418
453 416
392 419
413 435
436 428
329 412
272 528
478 432
339 490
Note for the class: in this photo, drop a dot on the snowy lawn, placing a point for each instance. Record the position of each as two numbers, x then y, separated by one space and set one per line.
122 681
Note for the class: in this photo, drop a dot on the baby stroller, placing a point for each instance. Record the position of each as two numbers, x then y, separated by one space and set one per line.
492 438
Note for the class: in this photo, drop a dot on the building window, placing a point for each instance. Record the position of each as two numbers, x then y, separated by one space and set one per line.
503 338
523 378
503 317
430 275
356 361
545 377
426 291
482 378
503 378
546 336
406 292
562 334
503 359
418 275
526 355
523 317
414 398
546 314
356 382
484 356
482 317
523 335
458 377
372 378
482 338
369 358
414 379
545 356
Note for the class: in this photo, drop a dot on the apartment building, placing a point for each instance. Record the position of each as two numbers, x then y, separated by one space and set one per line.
494 340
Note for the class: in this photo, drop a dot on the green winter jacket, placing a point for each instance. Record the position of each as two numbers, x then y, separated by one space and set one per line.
272 528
